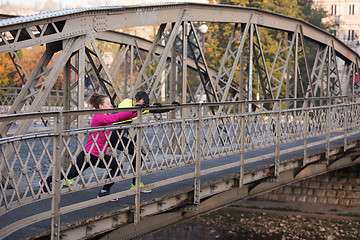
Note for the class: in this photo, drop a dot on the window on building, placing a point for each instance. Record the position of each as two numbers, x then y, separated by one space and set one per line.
351 35
333 10
351 9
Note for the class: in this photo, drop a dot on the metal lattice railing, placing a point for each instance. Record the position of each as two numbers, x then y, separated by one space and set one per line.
54 102
163 144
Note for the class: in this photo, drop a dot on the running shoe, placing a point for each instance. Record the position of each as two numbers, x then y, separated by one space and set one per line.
141 190
104 193
69 182
43 187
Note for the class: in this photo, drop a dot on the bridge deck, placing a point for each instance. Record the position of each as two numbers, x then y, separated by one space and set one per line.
162 192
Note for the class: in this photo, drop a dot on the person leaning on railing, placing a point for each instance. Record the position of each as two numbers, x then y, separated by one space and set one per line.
141 99
94 149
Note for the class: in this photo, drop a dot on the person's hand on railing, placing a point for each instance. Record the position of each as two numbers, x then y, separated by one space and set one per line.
144 105
157 104
175 103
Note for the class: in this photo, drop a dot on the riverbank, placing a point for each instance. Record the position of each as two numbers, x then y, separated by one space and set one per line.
252 219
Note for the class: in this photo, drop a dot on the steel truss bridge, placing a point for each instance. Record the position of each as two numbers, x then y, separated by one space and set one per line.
306 124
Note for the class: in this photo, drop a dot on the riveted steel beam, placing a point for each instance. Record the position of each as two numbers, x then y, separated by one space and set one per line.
260 62
208 86
151 58
317 73
53 27
281 65
304 77
334 72
225 77
103 74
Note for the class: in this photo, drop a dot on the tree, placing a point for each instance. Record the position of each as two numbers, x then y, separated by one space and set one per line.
7 71
313 14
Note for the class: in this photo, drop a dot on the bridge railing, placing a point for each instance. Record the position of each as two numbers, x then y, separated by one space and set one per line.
159 145
54 102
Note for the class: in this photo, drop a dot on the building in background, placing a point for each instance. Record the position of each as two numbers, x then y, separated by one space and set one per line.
345 15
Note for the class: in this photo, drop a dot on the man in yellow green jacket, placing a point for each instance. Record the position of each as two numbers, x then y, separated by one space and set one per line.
140 99
119 138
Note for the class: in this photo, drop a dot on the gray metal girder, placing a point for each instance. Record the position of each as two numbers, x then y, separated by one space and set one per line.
24 32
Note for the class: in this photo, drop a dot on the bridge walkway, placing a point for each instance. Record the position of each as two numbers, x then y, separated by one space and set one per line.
108 208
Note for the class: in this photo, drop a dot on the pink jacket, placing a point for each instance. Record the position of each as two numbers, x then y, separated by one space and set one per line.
101 120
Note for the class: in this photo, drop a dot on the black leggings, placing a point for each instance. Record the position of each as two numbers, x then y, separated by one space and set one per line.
124 143
80 160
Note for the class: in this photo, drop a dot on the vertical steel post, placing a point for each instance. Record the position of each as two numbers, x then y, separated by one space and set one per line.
277 146
241 80
66 86
197 155
56 180
173 74
328 122
184 111
126 72
81 86
172 88
306 129
251 64
138 167
66 103
242 143
81 93
287 71
328 73
184 65
131 69
296 67
346 117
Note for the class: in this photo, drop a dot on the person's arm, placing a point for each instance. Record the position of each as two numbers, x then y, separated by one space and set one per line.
105 120
163 110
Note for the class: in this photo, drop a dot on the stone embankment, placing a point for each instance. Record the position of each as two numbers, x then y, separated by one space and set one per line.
340 187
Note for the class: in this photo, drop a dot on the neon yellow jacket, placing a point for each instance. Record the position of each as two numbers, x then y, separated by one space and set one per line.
127 103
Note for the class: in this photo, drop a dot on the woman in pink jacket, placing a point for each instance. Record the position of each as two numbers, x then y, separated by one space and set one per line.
96 144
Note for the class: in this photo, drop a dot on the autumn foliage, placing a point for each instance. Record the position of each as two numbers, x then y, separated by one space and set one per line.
29 58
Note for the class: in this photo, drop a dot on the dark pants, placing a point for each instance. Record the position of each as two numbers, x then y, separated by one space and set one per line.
122 143
80 161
